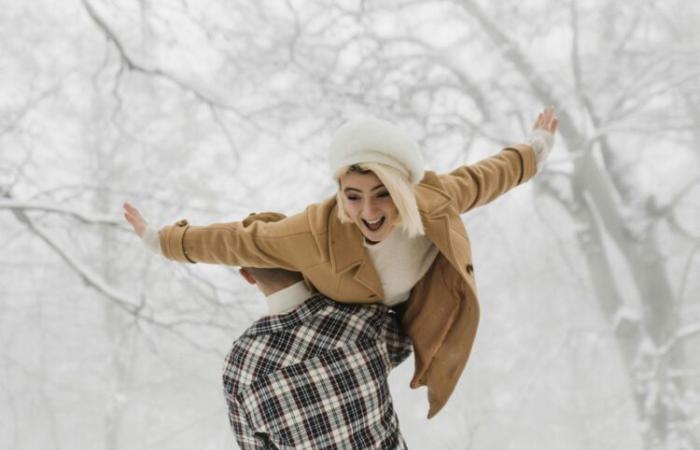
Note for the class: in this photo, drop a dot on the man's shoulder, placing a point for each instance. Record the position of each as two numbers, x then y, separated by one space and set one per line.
254 356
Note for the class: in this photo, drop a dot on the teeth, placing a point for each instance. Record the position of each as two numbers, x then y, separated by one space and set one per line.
374 225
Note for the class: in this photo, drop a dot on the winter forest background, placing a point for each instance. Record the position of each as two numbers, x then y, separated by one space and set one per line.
588 275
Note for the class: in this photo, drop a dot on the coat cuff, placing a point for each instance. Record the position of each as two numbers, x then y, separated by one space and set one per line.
172 241
528 161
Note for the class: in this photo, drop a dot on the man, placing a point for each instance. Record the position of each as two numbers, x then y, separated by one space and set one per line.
313 373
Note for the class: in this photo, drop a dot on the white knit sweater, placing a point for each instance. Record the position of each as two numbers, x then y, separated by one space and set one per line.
400 262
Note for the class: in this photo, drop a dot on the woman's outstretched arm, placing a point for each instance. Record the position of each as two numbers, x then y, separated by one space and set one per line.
476 184
287 244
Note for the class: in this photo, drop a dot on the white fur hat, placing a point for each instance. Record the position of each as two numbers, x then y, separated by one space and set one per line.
368 139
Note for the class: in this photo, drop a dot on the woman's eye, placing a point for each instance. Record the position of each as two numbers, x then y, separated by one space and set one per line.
383 195
353 198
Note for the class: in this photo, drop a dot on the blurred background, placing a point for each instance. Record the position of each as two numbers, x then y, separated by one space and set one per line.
588 275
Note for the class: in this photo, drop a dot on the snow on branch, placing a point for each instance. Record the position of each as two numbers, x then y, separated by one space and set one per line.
132 64
511 51
122 300
685 332
684 373
688 331
88 218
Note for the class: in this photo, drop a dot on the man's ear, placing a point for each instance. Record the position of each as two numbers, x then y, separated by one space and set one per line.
248 277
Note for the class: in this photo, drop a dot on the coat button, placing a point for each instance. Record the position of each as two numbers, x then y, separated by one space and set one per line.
181 223
470 268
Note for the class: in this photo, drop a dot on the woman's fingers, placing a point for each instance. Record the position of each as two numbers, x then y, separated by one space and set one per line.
130 212
555 125
539 122
130 208
134 217
546 120
129 219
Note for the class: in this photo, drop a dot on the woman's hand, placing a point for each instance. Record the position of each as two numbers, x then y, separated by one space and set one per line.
542 135
546 121
134 217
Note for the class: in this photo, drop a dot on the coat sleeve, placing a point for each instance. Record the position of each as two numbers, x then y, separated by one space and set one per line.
477 184
287 244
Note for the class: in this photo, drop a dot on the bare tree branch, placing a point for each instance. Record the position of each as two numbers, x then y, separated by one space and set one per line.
132 65
87 218
122 301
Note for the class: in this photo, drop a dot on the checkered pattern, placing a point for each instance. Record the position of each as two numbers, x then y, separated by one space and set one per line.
316 378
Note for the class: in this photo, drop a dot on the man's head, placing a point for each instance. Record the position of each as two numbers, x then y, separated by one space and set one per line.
268 280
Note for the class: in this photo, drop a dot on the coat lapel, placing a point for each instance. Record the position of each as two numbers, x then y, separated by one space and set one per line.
367 276
434 206
347 252
438 230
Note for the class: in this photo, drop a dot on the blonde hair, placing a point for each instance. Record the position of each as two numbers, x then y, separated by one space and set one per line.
401 190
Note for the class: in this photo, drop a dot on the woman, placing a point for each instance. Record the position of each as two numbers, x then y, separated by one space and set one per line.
392 234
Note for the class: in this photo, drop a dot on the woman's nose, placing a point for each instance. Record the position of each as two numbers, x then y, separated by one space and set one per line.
369 210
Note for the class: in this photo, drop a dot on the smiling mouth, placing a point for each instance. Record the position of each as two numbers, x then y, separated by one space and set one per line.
374 226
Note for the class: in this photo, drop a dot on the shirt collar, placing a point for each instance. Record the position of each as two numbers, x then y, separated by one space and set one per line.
288 298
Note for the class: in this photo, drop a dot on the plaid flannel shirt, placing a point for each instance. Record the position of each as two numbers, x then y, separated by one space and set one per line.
316 378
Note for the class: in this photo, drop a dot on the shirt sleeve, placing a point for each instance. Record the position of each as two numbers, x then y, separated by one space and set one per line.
246 437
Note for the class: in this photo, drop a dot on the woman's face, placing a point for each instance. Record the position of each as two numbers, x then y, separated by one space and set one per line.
369 205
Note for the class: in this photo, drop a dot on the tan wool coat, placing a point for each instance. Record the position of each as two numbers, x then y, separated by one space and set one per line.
442 312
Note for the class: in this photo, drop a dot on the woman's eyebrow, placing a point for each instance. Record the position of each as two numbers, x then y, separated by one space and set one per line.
379 186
